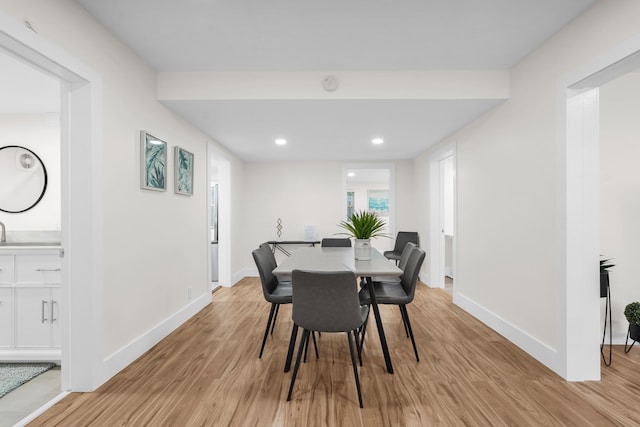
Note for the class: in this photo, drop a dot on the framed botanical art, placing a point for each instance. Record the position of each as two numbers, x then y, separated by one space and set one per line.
183 162
153 162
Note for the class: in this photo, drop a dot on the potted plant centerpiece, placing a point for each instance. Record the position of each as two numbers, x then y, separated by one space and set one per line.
632 313
363 226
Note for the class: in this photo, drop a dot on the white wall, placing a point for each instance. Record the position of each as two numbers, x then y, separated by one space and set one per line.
407 201
306 193
508 186
300 193
41 134
155 246
620 193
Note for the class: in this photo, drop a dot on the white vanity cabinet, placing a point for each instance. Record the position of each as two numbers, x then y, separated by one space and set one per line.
30 327
6 317
6 270
6 301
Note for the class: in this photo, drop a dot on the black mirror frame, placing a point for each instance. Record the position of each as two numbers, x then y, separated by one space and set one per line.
44 186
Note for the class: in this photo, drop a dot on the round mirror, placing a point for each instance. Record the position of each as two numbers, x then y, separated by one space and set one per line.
23 177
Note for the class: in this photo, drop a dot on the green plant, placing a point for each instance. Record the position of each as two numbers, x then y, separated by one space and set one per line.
363 225
604 266
632 313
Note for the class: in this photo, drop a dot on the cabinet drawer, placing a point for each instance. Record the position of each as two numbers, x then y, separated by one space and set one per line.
6 269
38 269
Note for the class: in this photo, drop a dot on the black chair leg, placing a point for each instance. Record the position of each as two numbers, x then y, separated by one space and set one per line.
404 321
292 345
266 331
356 336
303 341
363 332
413 341
306 348
355 368
315 344
275 316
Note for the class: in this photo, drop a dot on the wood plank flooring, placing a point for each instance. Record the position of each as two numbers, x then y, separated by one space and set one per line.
207 373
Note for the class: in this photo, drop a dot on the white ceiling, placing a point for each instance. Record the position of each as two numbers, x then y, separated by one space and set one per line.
180 35
329 129
297 35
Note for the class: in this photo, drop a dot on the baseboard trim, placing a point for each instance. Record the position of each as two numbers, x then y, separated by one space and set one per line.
247 272
119 360
535 348
41 410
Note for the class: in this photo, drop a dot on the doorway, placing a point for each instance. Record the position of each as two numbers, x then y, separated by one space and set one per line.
219 218
30 117
370 187
447 194
81 196
442 244
579 231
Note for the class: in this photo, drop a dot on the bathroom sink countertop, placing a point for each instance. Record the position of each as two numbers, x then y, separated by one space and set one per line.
12 246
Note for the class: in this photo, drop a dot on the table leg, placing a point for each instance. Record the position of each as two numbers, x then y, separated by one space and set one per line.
292 344
376 313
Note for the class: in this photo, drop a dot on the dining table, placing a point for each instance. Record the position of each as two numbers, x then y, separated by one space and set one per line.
341 259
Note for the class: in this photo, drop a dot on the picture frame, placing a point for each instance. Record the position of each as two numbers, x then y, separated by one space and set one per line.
378 202
183 174
153 162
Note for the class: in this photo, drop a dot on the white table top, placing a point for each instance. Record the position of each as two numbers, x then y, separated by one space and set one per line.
336 259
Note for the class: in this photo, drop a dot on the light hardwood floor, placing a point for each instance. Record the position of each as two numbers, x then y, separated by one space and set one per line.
207 373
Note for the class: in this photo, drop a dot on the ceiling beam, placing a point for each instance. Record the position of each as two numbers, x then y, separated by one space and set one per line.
411 84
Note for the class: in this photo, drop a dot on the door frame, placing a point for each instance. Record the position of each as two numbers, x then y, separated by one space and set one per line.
578 208
436 216
392 190
224 215
81 167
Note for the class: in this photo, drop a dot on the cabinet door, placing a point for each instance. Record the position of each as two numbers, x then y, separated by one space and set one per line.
56 309
33 317
6 269
5 317
38 269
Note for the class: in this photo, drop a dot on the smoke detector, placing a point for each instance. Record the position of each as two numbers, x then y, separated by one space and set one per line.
330 83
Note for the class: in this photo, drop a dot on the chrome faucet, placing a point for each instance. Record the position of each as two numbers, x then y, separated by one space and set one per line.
3 237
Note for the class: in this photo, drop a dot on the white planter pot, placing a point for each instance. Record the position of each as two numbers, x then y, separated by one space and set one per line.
362 249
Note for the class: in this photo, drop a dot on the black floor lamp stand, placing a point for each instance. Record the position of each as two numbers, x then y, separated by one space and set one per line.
607 321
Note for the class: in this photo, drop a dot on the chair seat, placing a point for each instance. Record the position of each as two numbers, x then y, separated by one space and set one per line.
386 293
282 294
285 279
392 255
396 280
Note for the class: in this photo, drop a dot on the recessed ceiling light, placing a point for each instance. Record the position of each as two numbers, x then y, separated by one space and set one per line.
281 141
377 141
351 174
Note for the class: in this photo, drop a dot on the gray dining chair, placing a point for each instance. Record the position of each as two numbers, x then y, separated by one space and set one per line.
327 302
332 242
270 255
402 262
274 292
399 294
402 238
